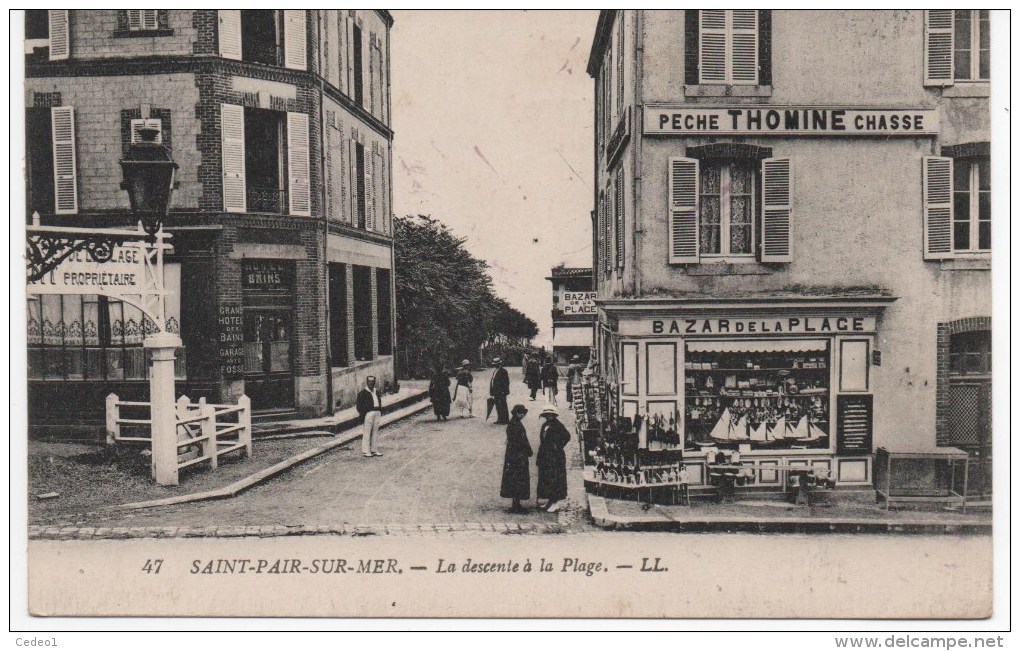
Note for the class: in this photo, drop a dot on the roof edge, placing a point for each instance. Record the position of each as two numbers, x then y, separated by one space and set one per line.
602 38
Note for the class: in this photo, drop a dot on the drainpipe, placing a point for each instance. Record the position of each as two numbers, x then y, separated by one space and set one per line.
330 407
389 206
637 121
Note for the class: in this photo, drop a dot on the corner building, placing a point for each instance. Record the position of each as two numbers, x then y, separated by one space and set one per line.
282 270
792 223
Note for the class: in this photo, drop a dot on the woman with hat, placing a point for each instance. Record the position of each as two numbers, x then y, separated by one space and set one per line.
516 483
552 460
439 393
462 393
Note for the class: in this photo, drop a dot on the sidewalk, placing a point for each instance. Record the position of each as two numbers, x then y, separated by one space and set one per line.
781 517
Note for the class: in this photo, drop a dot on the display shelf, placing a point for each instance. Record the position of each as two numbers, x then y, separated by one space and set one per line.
758 370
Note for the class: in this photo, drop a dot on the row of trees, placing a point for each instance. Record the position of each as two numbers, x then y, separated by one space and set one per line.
446 308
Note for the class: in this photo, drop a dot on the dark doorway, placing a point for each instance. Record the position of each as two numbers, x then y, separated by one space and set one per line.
264 161
970 405
338 327
269 378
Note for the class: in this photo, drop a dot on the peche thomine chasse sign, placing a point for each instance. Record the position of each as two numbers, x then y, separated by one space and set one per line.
681 120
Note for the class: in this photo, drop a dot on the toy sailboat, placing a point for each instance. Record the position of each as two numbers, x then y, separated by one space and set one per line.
800 431
739 431
778 433
815 433
760 434
721 431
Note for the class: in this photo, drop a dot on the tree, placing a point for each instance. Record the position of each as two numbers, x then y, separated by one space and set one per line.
446 308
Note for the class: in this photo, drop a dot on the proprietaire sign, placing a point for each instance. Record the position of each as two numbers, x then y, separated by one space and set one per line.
680 120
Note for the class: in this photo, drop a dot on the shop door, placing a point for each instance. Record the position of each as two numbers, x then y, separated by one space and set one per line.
970 410
269 378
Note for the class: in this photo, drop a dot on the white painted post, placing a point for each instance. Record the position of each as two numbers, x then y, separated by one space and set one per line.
112 416
163 408
244 420
209 447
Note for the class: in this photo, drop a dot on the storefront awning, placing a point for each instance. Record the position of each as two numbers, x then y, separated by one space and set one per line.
567 336
763 346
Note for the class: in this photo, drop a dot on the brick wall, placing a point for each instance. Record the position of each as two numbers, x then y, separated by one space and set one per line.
102 33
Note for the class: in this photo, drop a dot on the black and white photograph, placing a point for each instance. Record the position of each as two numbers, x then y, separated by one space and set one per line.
681 315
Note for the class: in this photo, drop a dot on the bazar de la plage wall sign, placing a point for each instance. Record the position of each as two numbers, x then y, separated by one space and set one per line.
685 120
767 325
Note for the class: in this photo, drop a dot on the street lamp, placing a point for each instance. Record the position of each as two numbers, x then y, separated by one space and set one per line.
149 172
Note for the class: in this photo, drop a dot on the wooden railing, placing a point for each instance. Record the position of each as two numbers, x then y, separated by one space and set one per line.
204 431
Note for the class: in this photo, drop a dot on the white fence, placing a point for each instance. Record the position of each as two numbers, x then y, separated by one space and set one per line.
204 431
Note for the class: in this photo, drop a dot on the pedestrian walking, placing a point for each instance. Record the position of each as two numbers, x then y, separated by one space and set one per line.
550 381
516 482
575 374
533 376
439 394
551 460
499 389
462 393
369 407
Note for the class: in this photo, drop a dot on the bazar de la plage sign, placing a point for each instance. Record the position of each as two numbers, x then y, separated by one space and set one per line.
675 119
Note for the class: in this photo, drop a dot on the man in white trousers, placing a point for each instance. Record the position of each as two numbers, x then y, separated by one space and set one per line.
370 408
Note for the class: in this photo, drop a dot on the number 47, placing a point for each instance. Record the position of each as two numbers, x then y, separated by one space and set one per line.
152 566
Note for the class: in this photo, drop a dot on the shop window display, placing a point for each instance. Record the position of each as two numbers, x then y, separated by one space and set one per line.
763 394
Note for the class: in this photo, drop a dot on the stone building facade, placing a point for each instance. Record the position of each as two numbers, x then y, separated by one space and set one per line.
280 217
791 200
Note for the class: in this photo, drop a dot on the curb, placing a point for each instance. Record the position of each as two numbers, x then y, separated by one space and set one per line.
41 532
231 490
270 430
601 517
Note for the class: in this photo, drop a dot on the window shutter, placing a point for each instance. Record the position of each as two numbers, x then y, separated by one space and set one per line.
691 49
937 177
744 44
232 139
683 210
153 123
134 17
298 173
349 55
60 34
377 177
371 75
369 190
295 39
938 47
610 218
619 219
600 245
776 225
65 164
352 180
619 64
230 33
712 44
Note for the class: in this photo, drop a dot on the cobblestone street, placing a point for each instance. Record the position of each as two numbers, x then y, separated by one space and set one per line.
431 473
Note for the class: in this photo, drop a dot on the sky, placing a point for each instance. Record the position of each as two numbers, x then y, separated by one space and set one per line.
492 114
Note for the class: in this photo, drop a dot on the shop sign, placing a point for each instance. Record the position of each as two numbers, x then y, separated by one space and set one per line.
266 275
231 341
78 274
682 120
578 303
771 325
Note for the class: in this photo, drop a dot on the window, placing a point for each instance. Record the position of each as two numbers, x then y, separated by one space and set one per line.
620 202
957 203
384 309
269 37
970 353
956 46
716 209
272 177
726 212
51 160
37 25
338 315
142 19
619 62
363 298
727 47
359 73
359 179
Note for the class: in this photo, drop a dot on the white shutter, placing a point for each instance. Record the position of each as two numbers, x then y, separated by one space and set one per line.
142 19
349 55
295 39
60 34
151 123
619 64
378 194
134 17
369 190
713 46
776 224
600 253
65 163
298 172
937 188
610 220
232 140
619 219
352 180
744 46
683 210
230 33
938 47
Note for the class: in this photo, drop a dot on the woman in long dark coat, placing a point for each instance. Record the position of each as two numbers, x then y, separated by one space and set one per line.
533 376
550 381
552 460
439 394
516 484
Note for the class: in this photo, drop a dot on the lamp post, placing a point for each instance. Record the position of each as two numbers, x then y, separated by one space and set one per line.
149 172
